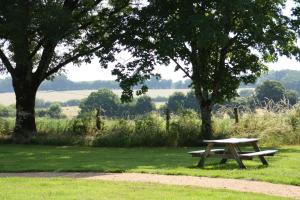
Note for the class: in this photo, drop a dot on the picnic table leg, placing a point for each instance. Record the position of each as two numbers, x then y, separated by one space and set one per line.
236 156
205 154
224 160
262 158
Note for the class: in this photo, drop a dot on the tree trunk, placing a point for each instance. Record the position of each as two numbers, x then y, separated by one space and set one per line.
206 116
25 127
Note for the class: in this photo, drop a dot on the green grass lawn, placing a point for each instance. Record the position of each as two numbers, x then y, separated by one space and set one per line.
283 168
38 188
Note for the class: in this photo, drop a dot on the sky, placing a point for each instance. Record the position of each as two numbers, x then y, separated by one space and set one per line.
93 71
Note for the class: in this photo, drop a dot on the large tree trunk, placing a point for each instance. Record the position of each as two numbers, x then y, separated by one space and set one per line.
206 116
25 127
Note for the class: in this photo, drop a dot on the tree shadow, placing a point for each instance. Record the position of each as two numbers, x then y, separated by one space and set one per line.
86 159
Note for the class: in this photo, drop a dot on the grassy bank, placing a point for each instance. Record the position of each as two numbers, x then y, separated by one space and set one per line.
283 168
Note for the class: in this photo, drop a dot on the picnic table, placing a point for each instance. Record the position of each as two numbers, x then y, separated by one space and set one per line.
232 151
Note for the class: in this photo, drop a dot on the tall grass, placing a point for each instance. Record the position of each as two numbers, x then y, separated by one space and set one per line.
275 124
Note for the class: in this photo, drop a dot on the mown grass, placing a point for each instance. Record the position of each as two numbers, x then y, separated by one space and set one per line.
38 188
283 168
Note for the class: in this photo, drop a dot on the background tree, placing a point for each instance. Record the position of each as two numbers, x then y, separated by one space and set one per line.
270 90
217 44
144 105
275 91
176 101
292 96
191 102
55 111
106 99
40 37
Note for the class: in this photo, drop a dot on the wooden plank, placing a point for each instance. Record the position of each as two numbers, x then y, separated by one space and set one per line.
224 160
261 157
232 140
259 153
232 148
199 153
205 154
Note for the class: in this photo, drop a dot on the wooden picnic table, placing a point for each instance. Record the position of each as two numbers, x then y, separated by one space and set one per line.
232 151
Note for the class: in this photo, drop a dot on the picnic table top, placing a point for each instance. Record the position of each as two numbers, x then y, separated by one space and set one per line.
232 140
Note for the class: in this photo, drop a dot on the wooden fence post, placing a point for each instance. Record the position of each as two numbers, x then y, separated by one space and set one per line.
98 119
236 115
168 117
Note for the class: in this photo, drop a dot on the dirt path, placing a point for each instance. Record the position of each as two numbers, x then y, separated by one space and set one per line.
219 183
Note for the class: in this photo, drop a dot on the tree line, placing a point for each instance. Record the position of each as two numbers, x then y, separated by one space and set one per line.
289 78
62 83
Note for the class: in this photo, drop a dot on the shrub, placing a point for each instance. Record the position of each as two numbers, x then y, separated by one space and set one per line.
5 126
119 135
55 111
7 111
185 129
150 131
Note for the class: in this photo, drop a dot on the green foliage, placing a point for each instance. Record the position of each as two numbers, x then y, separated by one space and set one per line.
5 127
150 131
217 37
54 111
185 129
111 105
191 102
222 44
274 128
106 99
270 90
144 104
118 135
32 31
179 101
292 96
176 101
275 91
7 111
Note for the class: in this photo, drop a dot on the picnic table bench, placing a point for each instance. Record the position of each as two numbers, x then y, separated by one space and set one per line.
232 151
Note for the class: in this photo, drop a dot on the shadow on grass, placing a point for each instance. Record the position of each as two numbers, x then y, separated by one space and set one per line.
20 158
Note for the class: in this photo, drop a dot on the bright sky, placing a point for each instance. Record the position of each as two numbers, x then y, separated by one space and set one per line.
93 71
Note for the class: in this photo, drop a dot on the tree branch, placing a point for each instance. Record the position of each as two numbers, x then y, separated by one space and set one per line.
6 63
37 48
182 68
71 59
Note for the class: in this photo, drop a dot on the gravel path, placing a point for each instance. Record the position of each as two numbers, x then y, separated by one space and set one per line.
219 183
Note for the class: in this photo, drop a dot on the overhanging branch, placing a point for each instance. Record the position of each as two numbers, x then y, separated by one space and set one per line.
182 68
6 62
37 48
71 59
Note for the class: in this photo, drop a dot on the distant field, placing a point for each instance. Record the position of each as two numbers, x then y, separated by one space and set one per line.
61 96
